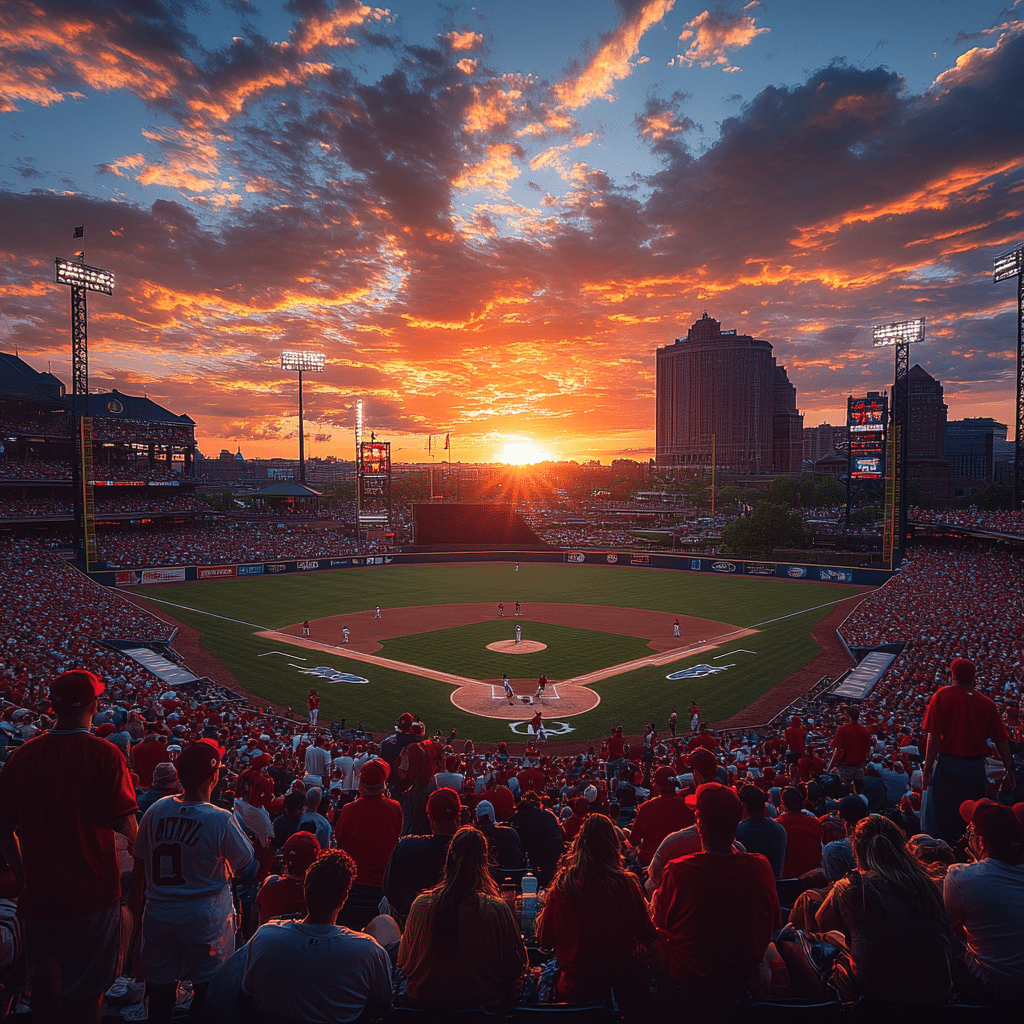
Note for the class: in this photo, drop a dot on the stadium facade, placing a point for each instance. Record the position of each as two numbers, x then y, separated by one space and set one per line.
721 384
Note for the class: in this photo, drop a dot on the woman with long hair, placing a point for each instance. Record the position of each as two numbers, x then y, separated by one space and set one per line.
899 939
461 947
595 918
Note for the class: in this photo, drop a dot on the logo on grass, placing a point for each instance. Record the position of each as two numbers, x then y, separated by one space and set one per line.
550 728
332 675
698 671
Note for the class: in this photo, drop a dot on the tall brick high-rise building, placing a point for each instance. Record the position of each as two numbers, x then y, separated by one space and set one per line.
715 382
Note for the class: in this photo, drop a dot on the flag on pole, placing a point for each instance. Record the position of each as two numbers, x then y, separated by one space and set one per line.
430 444
79 231
447 440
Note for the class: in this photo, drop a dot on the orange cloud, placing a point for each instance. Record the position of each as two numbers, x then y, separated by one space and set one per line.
333 29
611 62
496 171
714 35
459 41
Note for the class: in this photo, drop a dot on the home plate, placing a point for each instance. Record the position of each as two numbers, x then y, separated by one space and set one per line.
511 647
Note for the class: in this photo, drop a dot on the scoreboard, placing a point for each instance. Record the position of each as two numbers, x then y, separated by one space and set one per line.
866 419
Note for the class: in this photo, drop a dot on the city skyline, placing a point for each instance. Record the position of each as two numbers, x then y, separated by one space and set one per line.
489 218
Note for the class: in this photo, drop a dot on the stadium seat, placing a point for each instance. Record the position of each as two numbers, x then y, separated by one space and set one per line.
788 1011
563 1013
868 1011
411 1015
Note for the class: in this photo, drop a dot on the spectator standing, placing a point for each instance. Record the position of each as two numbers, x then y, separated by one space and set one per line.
312 820
656 818
851 746
314 970
461 946
63 796
165 783
959 722
187 851
985 900
540 836
503 844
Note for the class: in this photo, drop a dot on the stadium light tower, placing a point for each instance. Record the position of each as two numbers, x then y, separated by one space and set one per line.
310 362
1004 266
81 278
899 335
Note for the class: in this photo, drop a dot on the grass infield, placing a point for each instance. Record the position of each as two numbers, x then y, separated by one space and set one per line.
228 613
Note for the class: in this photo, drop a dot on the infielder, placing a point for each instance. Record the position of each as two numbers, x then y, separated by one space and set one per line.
344 635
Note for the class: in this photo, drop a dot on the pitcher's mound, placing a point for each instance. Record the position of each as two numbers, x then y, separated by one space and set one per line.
511 647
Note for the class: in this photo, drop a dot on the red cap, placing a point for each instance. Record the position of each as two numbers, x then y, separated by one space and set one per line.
719 807
404 722
105 729
300 850
703 761
198 761
262 761
665 780
372 777
443 805
962 670
75 689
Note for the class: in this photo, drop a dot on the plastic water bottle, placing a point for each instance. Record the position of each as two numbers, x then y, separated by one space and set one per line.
530 887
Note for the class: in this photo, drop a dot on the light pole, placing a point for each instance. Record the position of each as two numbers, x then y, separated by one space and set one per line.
1004 266
900 335
311 362
82 278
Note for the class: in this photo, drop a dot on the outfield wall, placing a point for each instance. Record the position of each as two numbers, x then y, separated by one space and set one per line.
627 559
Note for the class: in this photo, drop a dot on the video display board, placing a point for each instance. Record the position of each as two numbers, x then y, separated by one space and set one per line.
866 419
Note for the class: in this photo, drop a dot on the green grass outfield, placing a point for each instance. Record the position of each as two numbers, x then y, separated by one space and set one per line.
227 613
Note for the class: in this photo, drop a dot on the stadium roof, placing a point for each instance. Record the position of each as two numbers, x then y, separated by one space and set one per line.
114 405
287 489
18 380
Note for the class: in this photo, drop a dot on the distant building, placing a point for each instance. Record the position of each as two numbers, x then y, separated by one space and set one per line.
927 416
974 448
721 384
823 440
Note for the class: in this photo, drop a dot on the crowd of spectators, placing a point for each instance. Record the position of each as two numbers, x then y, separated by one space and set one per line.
34 470
119 505
972 518
341 873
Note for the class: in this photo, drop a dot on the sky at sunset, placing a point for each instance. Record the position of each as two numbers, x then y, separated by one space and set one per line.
489 217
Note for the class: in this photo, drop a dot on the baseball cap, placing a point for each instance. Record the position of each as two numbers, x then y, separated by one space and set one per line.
404 722
997 825
719 807
165 777
703 761
963 670
664 779
261 761
443 805
104 730
198 761
590 793
372 777
300 850
75 689
485 809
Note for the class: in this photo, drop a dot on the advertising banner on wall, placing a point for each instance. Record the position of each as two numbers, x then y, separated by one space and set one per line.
251 570
216 572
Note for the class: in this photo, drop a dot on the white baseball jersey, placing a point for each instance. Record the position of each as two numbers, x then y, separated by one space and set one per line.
318 762
189 851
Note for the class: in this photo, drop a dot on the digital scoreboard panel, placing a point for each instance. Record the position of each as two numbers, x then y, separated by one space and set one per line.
866 419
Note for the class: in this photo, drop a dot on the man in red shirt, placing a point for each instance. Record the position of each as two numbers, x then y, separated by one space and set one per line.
959 722
803 835
796 740
659 816
282 895
716 910
851 746
368 830
65 793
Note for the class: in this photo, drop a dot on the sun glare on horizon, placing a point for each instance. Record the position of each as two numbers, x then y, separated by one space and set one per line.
523 453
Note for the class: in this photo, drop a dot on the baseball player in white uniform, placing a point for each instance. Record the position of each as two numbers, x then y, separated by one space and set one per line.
188 850
519 633
508 689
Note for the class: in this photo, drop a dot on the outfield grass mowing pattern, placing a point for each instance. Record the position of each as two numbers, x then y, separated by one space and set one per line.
242 605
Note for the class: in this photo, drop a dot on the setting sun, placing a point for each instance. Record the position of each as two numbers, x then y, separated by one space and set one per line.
523 453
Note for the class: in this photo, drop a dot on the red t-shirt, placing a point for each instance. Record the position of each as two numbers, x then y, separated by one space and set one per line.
803 842
145 757
796 739
61 791
964 720
368 830
281 897
616 747
717 915
655 819
855 742
597 939
532 778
